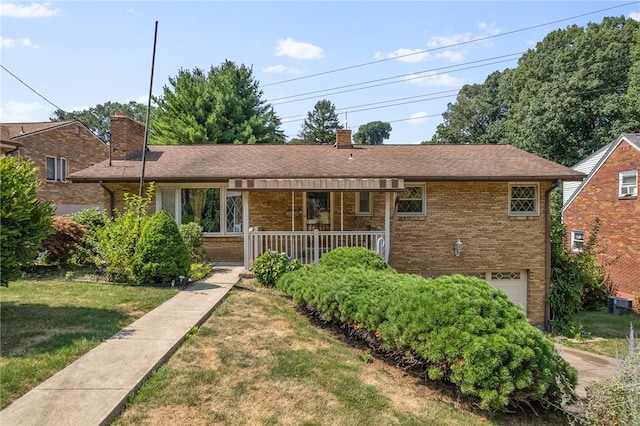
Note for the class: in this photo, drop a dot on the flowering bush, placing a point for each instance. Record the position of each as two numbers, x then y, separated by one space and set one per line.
271 265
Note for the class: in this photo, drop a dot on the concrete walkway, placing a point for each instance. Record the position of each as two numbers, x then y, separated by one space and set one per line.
591 367
93 389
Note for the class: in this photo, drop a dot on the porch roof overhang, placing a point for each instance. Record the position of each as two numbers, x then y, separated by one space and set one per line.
319 184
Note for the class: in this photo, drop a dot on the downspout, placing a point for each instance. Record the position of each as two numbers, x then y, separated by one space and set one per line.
394 221
547 248
111 199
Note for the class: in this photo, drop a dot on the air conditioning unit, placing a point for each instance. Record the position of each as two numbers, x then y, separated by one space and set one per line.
619 305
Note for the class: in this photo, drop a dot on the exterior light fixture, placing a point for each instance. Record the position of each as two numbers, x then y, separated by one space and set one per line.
457 249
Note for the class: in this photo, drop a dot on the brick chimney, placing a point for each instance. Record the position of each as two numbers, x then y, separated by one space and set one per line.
343 139
127 136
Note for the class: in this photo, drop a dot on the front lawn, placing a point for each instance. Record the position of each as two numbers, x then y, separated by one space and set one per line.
604 333
257 361
47 324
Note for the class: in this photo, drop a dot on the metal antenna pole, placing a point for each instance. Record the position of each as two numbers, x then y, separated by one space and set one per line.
146 125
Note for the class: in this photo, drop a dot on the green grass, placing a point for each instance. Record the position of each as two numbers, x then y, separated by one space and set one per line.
257 361
613 328
47 324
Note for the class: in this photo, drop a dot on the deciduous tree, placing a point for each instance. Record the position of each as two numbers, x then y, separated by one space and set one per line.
373 133
98 118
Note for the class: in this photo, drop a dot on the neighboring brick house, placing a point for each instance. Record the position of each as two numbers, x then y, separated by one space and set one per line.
481 210
58 148
609 193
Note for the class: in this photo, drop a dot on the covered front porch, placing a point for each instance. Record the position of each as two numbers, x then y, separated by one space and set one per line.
306 218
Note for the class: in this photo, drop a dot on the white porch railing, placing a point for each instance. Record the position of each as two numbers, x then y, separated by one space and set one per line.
308 246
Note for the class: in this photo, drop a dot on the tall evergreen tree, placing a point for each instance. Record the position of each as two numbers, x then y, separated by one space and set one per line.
224 105
372 133
321 124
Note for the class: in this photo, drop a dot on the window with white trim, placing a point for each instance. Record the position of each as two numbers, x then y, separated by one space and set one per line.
628 183
577 240
523 199
56 169
364 203
413 201
216 209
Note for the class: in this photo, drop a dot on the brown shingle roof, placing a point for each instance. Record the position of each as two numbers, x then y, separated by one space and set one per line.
10 131
412 162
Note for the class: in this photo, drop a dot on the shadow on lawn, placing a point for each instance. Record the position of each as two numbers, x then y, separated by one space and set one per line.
30 329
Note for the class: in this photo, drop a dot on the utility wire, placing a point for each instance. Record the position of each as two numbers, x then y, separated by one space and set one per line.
414 76
31 88
421 52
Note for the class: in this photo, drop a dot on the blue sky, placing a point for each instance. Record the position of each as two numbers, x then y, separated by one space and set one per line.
399 62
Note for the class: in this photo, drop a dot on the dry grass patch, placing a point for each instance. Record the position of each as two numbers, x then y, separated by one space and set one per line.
257 361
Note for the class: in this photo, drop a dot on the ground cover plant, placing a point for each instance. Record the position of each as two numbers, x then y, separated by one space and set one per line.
47 324
460 329
258 361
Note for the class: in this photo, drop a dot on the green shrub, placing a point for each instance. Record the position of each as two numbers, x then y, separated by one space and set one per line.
192 235
92 218
116 240
466 331
24 221
271 265
198 271
160 252
353 257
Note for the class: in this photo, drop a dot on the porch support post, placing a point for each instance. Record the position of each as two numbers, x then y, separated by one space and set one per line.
293 212
341 211
387 226
245 229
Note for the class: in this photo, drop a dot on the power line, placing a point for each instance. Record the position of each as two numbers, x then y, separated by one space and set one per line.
448 46
416 75
31 88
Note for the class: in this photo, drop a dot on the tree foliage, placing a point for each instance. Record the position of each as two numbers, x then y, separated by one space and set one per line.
65 239
321 124
98 118
24 220
372 133
223 105
572 94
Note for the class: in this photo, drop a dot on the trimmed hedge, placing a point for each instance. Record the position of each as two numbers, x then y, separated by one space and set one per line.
466 331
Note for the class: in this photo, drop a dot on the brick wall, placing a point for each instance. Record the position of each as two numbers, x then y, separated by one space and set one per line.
127 136
81 148
476 213
619 235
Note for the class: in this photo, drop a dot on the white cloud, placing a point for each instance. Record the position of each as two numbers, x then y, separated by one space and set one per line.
12 43
298 50
410 56
419 117
281 69
635 16
488 29
443 41
19 112
433 79
33 10
131 11
451 55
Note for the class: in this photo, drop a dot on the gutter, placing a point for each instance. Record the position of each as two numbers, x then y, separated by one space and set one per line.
111 199
547 254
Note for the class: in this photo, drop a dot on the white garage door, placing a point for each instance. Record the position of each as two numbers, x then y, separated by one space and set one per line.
514 283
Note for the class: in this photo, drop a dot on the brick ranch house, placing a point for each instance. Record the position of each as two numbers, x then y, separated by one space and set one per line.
610 193
58 148
481 210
